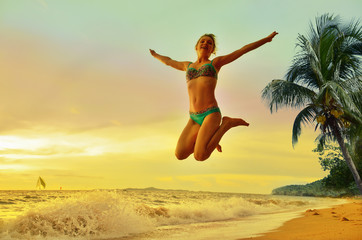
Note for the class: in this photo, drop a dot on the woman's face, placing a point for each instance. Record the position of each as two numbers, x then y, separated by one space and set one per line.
205 44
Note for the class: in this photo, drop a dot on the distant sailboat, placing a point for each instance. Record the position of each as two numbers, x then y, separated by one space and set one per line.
40 184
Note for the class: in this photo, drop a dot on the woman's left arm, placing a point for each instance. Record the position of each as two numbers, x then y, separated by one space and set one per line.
223 60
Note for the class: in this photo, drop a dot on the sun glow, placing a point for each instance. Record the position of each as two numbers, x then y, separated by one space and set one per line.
16 167
15 142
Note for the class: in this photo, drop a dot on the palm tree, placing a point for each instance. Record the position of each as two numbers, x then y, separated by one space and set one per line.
325 80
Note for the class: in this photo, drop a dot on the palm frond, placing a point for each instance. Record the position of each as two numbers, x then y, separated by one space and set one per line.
347 48
352 46
336 72
309 58
324 22
281 93
351 85
340 95
352 29
327 50
348 52
301 72
352 117
324 138
307 115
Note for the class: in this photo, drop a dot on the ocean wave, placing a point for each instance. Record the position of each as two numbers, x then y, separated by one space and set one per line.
84 216
105 214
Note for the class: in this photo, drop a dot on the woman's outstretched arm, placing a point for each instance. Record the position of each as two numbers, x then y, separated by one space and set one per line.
223 60
170 62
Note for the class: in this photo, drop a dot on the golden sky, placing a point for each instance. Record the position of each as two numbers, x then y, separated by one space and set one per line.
84 105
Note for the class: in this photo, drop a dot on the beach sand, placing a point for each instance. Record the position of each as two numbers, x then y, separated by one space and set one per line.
341 222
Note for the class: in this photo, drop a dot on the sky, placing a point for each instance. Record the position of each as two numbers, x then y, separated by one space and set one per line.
85 106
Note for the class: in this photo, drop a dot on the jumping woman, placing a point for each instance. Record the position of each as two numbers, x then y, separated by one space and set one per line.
205 127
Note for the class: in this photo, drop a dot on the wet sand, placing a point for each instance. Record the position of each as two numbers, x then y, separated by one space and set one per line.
341 222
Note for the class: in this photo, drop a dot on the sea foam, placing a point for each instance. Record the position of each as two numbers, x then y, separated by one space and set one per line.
115 214
85 216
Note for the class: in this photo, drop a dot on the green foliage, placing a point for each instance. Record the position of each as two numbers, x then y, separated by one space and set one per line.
315 189
339 181
340 177
329 157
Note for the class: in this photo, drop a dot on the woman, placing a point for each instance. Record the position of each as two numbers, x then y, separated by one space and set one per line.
203 131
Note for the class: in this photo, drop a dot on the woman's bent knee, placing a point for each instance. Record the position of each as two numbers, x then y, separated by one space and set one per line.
201 156
181 155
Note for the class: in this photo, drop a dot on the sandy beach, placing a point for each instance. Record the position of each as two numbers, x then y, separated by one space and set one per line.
341 222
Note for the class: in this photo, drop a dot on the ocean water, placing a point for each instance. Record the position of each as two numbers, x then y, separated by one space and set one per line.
146 214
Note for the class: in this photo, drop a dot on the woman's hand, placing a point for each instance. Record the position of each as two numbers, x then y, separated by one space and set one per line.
271 36
153 53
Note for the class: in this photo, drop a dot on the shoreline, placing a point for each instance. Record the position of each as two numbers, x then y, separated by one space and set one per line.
340 222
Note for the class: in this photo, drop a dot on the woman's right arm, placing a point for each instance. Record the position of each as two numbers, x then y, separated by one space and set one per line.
170 62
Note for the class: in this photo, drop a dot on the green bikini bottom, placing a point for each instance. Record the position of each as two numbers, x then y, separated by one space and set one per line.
199 117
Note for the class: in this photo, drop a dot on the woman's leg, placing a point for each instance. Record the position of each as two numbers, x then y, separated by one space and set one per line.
211 132
186 142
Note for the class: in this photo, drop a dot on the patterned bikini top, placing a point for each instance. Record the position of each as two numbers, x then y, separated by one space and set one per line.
206 70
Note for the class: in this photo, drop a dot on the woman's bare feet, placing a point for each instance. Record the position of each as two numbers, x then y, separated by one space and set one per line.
229 122
218 148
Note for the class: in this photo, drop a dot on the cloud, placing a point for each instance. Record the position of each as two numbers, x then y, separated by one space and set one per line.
43 146
16 147
15 167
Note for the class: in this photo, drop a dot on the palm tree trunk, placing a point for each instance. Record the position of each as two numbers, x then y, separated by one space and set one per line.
347 158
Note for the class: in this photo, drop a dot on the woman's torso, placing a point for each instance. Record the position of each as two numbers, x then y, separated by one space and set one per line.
201 83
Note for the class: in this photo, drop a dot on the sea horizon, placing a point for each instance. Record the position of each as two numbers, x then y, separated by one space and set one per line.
151 188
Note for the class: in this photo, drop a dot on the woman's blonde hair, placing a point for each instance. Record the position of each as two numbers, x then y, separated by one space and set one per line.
210 35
